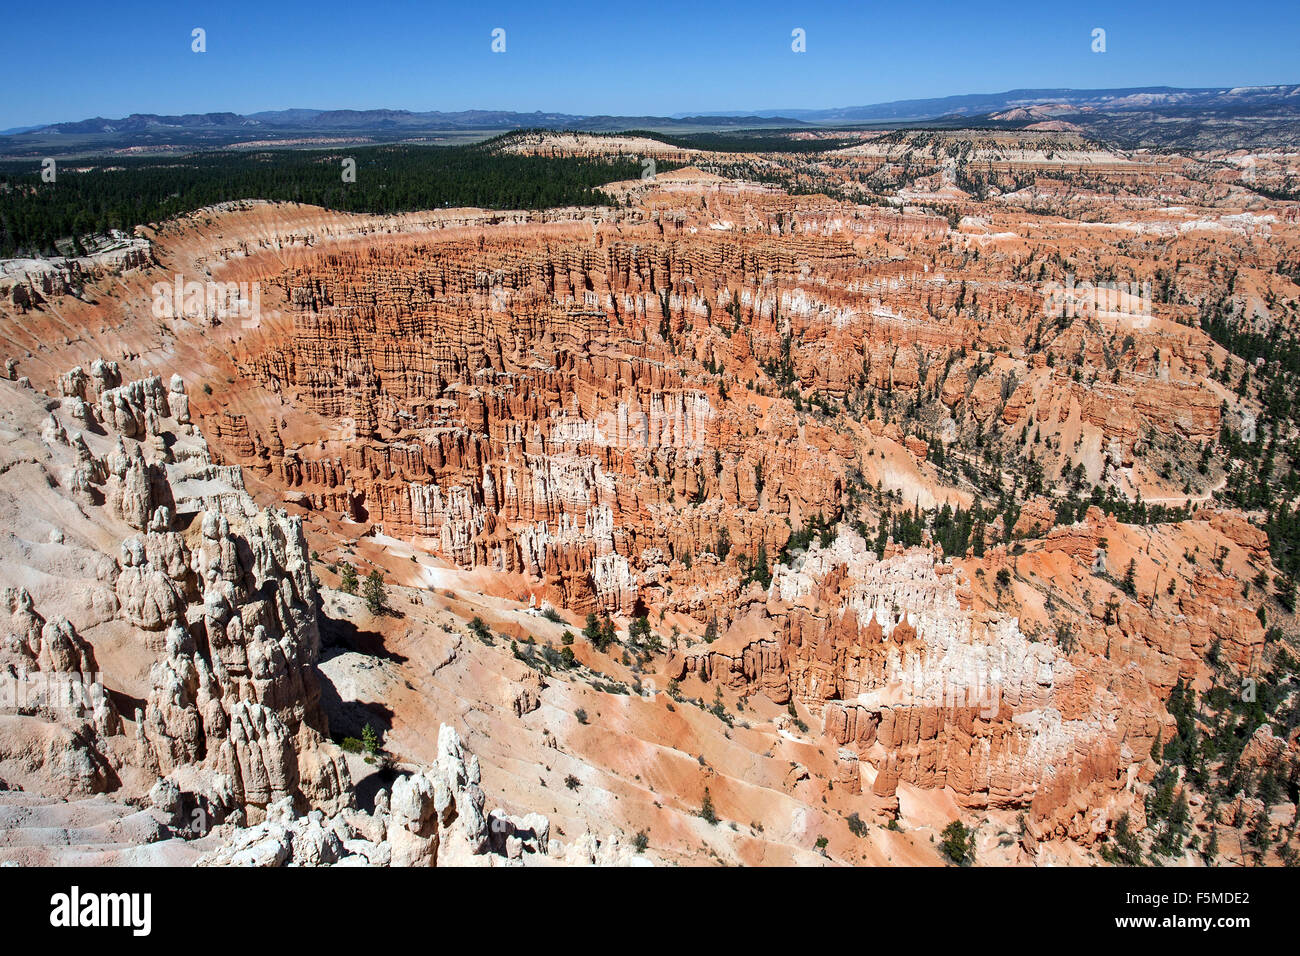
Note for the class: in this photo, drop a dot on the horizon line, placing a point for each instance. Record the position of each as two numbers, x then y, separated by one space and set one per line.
680 114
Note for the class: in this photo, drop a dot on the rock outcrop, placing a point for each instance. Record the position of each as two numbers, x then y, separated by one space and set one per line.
211 595
912 682
213 598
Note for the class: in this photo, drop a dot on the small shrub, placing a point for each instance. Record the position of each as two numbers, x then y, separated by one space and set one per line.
369 740
707 813
479 629
376 594
347 578
958 843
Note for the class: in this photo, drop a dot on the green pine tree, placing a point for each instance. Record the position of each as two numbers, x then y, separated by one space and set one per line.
376 594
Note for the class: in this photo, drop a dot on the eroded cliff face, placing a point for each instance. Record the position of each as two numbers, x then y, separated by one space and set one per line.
164 622
638 412
179 670
590 403
519 409
923 680
588 408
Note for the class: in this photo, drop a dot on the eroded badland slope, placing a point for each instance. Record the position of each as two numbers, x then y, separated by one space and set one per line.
730 524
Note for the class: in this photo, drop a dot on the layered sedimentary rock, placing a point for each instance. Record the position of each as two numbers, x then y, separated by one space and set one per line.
28 283
913 682
151 550
211 601
432 817
646 411
508 428
583 403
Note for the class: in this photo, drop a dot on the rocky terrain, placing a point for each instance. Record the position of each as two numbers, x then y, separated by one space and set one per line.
162 648
794 510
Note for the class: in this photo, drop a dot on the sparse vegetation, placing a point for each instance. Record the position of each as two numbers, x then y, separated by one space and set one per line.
958 843
376 593
347 578
707 813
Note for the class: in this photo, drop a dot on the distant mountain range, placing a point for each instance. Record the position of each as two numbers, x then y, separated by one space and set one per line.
1140 98
1157 115
370 121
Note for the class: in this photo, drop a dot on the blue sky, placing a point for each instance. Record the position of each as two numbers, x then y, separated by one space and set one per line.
84 58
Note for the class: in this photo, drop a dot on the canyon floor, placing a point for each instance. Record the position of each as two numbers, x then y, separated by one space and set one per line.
789 511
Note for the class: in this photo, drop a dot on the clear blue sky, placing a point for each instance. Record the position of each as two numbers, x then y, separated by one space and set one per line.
82 58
